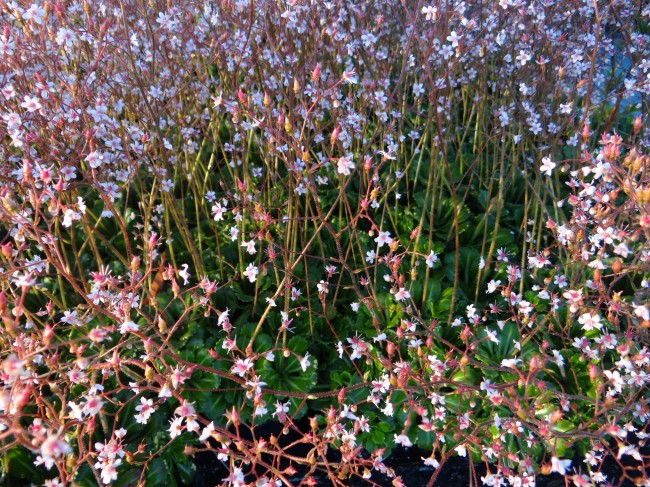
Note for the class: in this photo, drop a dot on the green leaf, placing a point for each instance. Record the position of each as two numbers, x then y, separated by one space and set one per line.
186 470
129 477
158 474
20 464
563 426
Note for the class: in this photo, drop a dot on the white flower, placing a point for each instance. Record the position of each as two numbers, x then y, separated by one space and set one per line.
403 440
432 258
242 366
146 409
547 166
430 13
492 286
93 405
109 470
304 362
492 336
175 427
35 13
641 311
251 272
53 447
95 159
184 274
165 391
431 462
223 317
344 165
453 38
589 321
70 216
167 185
207 432
31 104
402 294
322 287
350 77
237 477
250 247
383 238
560 466
128 326
218 211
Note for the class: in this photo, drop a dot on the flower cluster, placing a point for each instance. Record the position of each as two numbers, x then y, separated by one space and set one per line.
378 224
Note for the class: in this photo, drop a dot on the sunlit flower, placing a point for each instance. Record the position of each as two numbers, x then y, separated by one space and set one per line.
251 272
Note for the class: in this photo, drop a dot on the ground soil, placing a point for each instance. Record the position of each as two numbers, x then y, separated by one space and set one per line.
407 463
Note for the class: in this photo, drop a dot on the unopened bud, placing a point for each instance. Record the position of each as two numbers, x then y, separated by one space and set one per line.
390 349
241 96
465 334
367 164
135 264
6 250
162 325
593 372
148 373
644 221
22 399
535 363
10 325
335 135
48 334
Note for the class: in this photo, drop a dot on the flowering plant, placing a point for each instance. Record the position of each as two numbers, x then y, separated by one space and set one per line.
218 215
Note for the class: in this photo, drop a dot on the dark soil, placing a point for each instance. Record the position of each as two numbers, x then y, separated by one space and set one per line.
407 463
456 472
